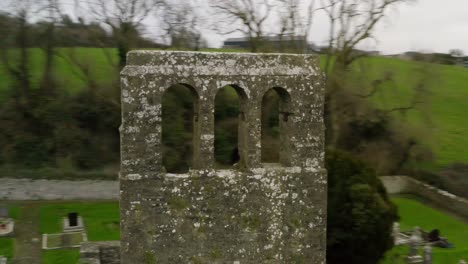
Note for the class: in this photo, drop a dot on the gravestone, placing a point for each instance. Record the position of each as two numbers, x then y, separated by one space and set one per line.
396 233
427 254
4 213
73 219
3 260
7 225
252 213
3 218
414 243
73 223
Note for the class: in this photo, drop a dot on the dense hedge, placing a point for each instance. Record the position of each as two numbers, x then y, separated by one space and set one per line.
360 214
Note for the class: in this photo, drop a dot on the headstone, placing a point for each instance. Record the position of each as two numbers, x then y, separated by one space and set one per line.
415 241
427 254
73 219
4 212
6 223
3 260
73 223
396 232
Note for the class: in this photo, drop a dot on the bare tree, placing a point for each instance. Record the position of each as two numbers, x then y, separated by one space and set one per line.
18 67
456 53
295 20
246 16
124 17
52 15
351 23
183 22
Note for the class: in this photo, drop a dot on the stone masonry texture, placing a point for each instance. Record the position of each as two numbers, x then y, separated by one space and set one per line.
255 213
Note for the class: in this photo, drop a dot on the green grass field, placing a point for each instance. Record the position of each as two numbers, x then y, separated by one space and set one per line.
68 74
7 245
440 122
100 219
414 213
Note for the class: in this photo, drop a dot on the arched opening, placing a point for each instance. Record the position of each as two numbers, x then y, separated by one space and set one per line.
276 120
229 127
179 125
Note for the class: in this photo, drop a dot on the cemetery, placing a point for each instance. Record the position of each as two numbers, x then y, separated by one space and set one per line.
416 218
101 223
174 216
73 235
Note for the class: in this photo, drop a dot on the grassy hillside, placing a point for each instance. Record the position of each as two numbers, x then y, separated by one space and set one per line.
67 70
441 118
414 213
440 121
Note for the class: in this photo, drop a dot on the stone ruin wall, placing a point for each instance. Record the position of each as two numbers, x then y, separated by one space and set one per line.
255 213
107 252
407 185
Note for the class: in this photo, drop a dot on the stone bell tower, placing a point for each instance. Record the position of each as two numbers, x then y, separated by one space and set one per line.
255 213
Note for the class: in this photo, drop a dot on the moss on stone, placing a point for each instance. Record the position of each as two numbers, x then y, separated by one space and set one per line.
220 216
178 203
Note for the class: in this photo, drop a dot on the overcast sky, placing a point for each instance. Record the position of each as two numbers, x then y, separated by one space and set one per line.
424 25
430 25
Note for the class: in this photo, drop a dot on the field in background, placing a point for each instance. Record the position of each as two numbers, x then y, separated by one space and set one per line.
414 213
440 122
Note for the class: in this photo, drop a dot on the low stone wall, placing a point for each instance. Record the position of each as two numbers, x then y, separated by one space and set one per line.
100 252
27 189
444 199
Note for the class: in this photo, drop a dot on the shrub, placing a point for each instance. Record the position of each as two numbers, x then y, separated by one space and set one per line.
360 214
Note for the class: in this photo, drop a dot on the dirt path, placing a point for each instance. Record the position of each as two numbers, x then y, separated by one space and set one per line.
28 236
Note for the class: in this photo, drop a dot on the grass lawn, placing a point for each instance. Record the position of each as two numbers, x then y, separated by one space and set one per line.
7 245
68 73
414 213
60 256
441 121
101 220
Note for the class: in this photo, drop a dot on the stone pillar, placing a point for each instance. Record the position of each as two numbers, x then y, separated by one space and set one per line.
427 254
415 241
207 126
396 233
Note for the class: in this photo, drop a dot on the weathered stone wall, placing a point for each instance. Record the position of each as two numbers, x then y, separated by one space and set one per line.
28 189
444 199
100 252
253 214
